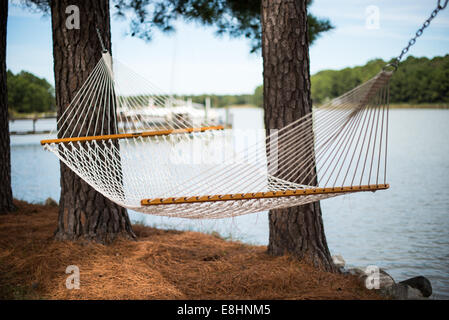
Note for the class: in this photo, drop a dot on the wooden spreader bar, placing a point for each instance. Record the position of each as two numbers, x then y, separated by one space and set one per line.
262 195
132 135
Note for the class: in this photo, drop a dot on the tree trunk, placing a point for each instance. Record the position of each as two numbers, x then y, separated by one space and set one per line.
297 230
83 212
6 204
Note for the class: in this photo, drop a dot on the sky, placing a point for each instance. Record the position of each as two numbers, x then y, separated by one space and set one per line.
194 61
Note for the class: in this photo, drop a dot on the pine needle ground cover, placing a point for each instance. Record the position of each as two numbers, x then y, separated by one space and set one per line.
162 264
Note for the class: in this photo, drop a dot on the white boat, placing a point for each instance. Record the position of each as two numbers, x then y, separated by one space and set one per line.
177 112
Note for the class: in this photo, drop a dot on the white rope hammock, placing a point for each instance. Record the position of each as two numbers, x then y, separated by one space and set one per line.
151 153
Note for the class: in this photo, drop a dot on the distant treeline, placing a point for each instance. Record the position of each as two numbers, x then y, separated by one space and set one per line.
220 101
417 80
28 93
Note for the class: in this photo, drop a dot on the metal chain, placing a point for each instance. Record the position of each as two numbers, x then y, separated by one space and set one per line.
418 33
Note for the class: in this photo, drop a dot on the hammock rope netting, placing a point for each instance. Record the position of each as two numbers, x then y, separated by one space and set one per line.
150 153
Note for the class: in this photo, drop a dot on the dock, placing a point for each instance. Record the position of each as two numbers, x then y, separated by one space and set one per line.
33 119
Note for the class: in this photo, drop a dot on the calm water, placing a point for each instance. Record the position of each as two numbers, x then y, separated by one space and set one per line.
404 230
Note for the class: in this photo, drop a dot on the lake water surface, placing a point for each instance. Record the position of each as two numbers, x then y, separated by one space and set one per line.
404 230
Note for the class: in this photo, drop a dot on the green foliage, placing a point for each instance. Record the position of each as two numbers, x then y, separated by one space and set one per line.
421 80
418 80
258 96
28 93
233 17
236 18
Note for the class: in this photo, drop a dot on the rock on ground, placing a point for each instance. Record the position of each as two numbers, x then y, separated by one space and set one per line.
338 261
400 291
421 283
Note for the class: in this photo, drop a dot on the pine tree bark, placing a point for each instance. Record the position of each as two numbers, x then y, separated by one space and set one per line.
6 200
83 212
297 230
